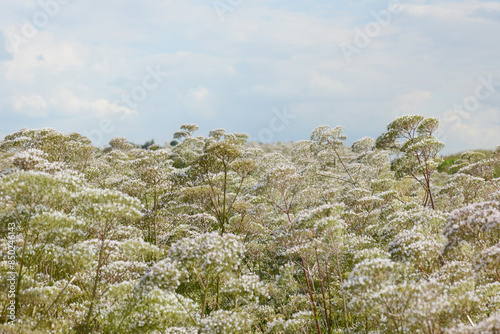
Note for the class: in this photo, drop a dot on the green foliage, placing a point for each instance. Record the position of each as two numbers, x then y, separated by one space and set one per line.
217 235
411 138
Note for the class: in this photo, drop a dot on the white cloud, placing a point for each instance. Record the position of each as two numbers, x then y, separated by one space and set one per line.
68 103
324 83
104 108
45 56
413 102
199 94
263 56
32 105
198 102
480 130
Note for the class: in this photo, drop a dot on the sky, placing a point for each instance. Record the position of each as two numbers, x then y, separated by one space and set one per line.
274 69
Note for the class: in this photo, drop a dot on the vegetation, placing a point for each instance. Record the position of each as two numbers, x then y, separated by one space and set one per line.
217 235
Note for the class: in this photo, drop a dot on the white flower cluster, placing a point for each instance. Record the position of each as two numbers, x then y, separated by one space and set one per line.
297 323
372 273
319 218
164 275
416 247
489 325
36 160
209 253
226 322
471 222
489 261
178 330
118 271
369 254
247 288
105 204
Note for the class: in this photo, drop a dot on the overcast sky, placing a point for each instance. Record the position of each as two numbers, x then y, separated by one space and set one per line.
274 69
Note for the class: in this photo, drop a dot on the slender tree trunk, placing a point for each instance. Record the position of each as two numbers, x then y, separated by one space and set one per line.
311 296
429 191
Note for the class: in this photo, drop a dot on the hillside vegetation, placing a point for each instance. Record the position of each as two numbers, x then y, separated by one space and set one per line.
217 235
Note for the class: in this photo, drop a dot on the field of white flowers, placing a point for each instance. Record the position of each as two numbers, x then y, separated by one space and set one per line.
218 235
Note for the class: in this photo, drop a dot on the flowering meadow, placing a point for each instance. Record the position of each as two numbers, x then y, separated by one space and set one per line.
220 235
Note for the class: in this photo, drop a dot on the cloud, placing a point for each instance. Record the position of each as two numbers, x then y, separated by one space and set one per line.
199 94
233 73
104 108
198 102
4 54
33 105
412 102
481 130
488 13
66 103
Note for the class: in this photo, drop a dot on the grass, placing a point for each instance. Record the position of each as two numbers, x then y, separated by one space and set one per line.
449 160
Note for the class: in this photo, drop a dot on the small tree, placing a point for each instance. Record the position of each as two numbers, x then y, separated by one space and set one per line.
219 174
152 169
411 138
